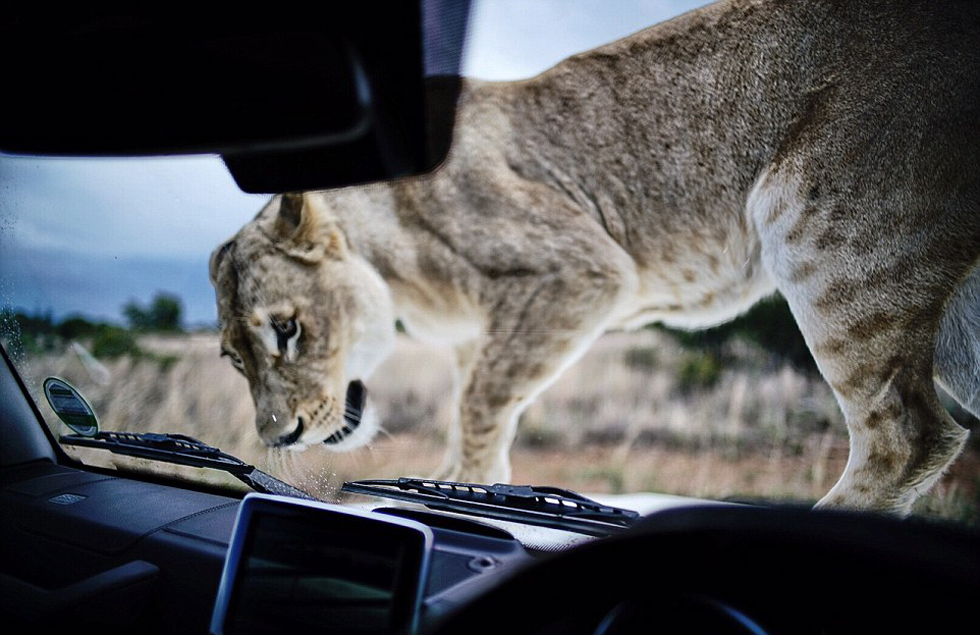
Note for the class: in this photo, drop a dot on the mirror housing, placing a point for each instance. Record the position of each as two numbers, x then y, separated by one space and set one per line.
316 98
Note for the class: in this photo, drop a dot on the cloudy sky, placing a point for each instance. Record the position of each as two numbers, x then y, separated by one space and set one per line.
139 227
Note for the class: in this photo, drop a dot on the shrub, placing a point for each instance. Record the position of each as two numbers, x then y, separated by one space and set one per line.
110 342
769 324
76 326
699 370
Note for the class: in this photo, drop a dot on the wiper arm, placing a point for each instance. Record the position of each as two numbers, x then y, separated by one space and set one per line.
185 450
542 506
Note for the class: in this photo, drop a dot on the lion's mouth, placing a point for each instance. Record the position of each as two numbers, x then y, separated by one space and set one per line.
353 409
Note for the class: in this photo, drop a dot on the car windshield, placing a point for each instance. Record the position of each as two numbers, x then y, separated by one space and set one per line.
104 282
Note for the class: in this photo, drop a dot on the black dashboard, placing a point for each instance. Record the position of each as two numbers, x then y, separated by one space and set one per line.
123 555
116 554
109 553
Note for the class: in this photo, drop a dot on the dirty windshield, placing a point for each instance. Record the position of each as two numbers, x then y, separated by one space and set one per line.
105 283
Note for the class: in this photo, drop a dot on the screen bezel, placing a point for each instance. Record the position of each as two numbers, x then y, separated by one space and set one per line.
413 571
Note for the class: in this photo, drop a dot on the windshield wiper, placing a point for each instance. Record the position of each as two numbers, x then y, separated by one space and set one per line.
542 506
185 450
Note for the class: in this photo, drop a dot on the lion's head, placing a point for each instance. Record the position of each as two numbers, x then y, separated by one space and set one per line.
305 321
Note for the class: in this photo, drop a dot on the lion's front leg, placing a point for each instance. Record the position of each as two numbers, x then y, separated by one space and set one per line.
451 469
537 329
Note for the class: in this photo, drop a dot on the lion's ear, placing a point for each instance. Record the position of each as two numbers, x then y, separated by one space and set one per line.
290 216
305 232
217 256
296 220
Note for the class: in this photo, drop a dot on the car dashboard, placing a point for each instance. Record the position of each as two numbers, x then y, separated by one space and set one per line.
117 554
124 555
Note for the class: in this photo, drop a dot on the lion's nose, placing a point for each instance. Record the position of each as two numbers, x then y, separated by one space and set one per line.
292 437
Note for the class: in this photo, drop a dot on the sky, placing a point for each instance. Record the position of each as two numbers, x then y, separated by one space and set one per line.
145 226
514 39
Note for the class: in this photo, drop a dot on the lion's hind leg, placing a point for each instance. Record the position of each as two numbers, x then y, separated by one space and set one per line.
868 300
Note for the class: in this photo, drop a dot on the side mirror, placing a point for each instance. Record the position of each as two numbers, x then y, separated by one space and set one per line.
71 407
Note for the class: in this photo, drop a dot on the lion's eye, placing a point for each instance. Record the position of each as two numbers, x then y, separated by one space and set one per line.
285 329
287 333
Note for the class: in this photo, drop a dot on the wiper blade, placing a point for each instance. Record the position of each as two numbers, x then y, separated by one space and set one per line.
185 450
542 506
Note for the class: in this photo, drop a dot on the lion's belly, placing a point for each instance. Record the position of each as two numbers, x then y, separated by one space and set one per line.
699 287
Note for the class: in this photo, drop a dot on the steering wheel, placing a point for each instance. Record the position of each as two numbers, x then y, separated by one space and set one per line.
742 570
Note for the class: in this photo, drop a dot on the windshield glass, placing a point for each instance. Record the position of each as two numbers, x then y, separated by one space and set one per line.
104 282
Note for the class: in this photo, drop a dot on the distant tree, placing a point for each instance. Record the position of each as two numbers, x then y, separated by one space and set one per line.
75 326
163 314
38 323
135 316
35 332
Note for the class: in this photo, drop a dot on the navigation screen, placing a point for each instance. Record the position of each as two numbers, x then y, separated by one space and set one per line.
303 569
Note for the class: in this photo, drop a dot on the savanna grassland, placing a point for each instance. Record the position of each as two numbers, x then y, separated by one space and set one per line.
640 412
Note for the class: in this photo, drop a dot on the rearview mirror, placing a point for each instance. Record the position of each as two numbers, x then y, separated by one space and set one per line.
321 97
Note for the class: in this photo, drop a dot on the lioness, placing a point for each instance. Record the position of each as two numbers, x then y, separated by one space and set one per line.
827 149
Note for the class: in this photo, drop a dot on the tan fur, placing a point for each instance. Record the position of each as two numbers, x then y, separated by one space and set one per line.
827 149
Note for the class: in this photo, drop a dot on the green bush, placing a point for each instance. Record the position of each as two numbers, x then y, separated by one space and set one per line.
699 370
769 324
40 333
110 342
76 326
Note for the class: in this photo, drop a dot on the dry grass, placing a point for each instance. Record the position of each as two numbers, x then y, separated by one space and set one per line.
620 420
